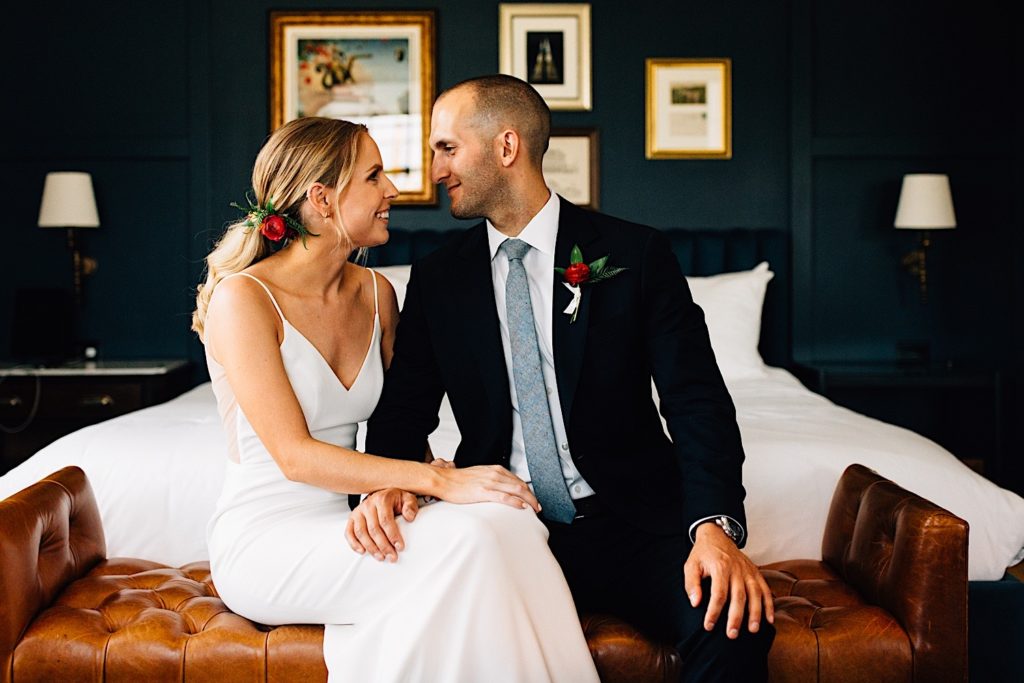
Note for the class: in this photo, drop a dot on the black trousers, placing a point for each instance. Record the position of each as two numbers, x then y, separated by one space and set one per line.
616 568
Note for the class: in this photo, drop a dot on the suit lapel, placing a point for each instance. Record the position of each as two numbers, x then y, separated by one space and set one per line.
474 307
574 228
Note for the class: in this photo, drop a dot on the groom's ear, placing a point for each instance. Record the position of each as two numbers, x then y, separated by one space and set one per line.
510 147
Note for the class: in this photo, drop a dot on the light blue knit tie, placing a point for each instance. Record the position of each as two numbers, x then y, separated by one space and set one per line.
534 411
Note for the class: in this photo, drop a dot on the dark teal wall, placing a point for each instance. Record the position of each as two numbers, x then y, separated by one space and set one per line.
883 91
165 104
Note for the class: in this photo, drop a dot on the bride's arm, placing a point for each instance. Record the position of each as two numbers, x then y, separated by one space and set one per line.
244 334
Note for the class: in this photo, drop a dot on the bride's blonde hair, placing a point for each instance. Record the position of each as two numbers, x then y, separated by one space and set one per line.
298 154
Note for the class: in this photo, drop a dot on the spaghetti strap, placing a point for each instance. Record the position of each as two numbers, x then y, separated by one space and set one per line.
374 273
265 289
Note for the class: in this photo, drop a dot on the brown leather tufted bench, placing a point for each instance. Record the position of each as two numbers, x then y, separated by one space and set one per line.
887 603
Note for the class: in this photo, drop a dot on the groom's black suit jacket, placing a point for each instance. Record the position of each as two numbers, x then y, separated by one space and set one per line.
639 324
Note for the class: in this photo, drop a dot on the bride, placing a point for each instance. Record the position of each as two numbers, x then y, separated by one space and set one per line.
297 341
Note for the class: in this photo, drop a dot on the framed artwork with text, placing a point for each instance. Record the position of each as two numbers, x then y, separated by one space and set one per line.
689 109
571 165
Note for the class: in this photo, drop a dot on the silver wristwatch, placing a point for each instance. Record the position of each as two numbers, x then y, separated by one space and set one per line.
730 528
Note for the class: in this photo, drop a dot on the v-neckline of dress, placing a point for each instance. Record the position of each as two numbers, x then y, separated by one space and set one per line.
323 359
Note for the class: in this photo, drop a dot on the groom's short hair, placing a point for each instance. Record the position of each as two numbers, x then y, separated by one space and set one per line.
501 100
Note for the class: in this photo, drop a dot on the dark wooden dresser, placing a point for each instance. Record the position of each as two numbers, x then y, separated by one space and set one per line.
39 405
960 406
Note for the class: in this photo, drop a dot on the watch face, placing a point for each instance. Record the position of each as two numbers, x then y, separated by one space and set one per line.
728 527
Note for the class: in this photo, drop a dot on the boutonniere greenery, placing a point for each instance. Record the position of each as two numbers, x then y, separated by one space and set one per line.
581 273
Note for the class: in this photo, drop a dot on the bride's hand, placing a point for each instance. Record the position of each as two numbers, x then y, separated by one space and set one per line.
486 483
443 464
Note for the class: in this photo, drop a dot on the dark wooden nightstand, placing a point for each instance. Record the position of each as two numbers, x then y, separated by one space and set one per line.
39 405
959 407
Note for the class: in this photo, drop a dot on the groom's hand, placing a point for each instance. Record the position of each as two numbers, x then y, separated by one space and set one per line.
372 527
734 579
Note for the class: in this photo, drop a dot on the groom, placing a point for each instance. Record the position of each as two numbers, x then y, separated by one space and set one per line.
645 528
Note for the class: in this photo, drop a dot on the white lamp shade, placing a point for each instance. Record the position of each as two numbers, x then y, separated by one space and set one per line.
68 201
926 203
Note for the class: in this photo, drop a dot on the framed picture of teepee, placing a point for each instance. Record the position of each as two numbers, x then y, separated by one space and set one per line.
548 46
375 68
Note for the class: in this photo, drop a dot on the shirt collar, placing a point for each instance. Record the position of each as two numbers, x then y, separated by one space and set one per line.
540 233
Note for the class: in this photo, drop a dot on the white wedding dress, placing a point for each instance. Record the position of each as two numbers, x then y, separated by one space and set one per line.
475 596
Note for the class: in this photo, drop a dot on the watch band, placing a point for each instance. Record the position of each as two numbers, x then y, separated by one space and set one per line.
735 526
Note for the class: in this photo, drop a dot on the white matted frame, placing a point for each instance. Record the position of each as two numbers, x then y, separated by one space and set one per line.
571 165
689 109
548 46
375 68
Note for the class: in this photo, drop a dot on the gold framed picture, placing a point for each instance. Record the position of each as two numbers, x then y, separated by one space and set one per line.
375 68
548 46
689 109
571 165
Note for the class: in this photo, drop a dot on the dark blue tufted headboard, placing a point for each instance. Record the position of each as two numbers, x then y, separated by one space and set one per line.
700 252
707 252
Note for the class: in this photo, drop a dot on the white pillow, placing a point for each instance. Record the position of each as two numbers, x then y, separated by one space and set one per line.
398 276
732 308
732 305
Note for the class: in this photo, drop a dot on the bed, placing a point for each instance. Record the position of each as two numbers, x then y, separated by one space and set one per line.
172 457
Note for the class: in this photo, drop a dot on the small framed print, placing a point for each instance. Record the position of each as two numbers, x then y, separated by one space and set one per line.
571 165
375 68
689 109
548 46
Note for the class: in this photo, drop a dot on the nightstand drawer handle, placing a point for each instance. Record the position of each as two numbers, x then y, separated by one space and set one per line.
11 401
104 400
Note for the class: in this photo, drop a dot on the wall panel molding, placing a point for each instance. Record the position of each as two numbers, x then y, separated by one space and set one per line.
801 177
56 148
869 146
199 124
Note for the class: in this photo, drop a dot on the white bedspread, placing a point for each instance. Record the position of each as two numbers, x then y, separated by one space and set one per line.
798 444
157 474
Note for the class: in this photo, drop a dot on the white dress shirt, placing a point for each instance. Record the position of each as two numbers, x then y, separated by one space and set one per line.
540 233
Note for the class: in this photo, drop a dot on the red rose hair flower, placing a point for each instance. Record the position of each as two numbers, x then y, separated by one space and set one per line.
273 225
273 228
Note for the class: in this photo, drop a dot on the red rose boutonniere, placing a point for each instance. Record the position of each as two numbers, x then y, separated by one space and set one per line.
581 273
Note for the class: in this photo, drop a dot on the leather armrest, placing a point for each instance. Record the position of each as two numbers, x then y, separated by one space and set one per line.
50 535
908 556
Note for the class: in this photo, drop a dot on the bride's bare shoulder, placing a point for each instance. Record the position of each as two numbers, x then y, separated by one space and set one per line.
387 301
240 300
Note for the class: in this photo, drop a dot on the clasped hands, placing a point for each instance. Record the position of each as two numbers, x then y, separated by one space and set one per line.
373 528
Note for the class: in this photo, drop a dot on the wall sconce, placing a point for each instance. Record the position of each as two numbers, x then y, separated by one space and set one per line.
926 203
69 202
